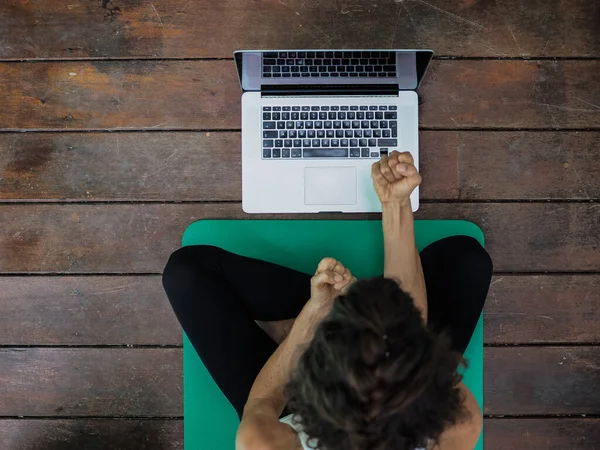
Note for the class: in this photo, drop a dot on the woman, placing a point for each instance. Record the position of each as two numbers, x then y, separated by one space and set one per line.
350 365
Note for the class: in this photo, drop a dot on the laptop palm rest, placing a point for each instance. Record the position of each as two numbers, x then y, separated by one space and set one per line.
330 185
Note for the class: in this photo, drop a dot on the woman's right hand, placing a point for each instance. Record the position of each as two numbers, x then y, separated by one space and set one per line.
395 177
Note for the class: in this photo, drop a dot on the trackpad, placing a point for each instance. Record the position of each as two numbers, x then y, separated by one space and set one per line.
330 185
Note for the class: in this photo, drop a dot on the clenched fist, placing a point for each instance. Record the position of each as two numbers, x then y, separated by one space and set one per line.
395 177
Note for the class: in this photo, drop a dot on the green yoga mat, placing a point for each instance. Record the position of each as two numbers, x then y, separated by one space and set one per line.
210 422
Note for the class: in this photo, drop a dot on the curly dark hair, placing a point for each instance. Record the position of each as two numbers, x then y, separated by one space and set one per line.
374 377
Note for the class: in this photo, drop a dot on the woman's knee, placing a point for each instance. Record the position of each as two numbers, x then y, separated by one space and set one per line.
461 253
188 264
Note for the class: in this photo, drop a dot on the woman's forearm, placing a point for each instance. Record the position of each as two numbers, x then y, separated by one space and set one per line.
401 260
270 382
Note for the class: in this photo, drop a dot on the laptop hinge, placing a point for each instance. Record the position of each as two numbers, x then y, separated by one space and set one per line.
328 90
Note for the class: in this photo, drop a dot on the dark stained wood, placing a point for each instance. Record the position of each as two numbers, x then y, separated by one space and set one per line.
178 28
88 310
116 310
545 308
147 382
202 166
542 380
510 94
131 94
161 166
91 434
120 166
521 165
138 238
111 434
206 95
542 434
91 382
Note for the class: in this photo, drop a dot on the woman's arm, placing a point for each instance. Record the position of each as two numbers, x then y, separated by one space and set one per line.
260 428
463 435
401 260
394 179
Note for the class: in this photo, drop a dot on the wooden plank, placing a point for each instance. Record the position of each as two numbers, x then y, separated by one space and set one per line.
116 310
169 166
138 238
546 308
541 380
89 310
147 382
120 166
521 165
115 434
127 28
91 434
163 166
91 382
542 434
206 95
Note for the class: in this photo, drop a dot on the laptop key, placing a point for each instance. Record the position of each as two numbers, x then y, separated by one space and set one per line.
325 152
311 134
281 125
316 143
386 133
392 108
297 143
372 143
289 125
306 142
287 142
270 134
355 152
276 116
276 153
387 142
301 134
321 133
365 153
266 116
278 142
391 114
266 152
269 125
267 143
283 134
339 133
331 133
344 142
377 133
297 153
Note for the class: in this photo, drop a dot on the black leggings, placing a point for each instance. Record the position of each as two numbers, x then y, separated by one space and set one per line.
217 296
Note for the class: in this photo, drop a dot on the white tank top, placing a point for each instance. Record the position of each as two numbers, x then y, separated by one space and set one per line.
302 435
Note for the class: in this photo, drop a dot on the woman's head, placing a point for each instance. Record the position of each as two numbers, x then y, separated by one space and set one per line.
374 377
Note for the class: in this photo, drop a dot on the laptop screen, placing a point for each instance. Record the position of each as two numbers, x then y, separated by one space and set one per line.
403 69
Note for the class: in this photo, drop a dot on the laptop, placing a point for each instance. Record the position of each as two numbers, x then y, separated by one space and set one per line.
314 121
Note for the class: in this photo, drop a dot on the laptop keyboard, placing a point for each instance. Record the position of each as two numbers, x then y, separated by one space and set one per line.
329 64
341 131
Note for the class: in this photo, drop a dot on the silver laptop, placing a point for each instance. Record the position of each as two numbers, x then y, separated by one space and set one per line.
314 121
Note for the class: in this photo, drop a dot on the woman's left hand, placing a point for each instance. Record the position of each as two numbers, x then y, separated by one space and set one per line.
330 280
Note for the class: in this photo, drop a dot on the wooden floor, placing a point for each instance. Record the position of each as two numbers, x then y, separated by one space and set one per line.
119 126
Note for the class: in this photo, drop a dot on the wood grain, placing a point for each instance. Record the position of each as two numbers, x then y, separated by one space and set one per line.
521 165
91 434
169 166
120 166
138 238
542 380
147 382
542 309
542 434
132 28
114 434
205 95
130 310
91 310
91 382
